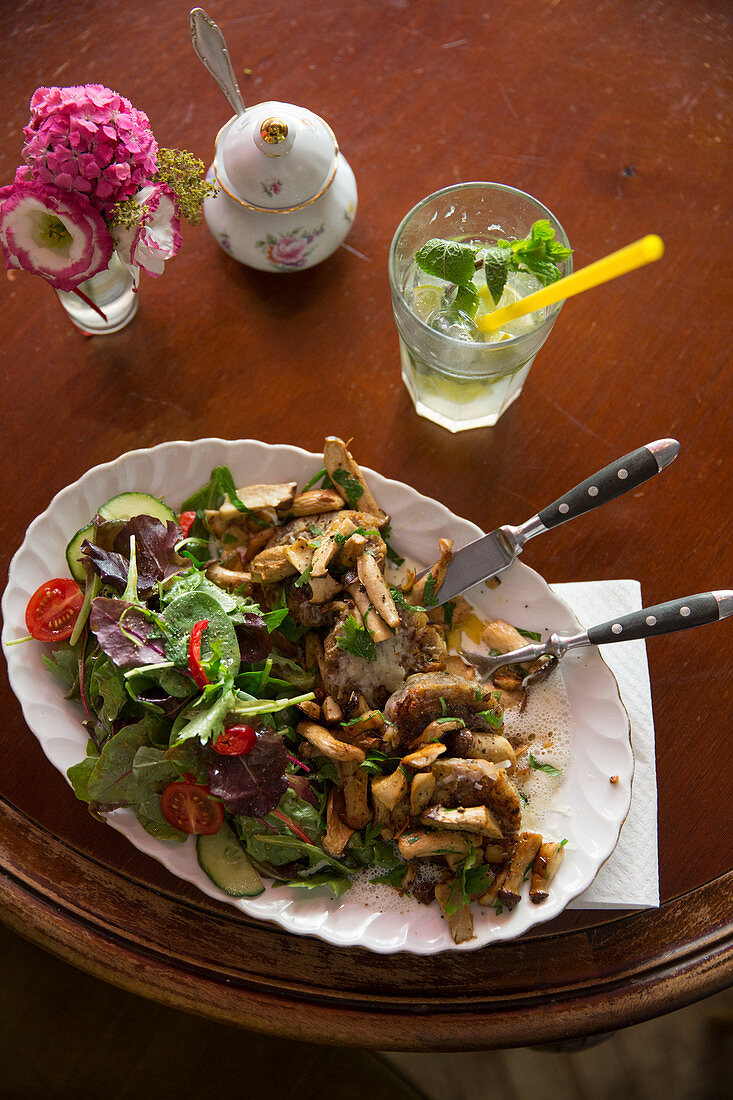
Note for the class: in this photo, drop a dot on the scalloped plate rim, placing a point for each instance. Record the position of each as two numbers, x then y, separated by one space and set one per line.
522 918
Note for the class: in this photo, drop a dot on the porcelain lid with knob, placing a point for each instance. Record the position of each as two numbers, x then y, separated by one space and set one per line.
275 156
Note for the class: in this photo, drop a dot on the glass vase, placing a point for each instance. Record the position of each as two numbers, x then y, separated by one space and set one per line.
112 292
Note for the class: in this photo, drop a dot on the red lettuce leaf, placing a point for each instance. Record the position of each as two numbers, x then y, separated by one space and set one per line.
251 785
131 644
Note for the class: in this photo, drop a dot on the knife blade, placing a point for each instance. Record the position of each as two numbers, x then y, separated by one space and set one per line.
491 554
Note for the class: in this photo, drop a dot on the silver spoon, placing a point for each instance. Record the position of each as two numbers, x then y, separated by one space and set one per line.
663 618
211 49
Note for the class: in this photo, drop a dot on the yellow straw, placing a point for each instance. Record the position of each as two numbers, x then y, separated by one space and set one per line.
627 259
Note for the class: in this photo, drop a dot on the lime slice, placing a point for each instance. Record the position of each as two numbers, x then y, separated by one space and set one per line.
426 299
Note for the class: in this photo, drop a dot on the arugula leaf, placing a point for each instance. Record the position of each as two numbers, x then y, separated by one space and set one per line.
352 487
337 884
449 260
356 639
64 664
496 270
549 769
316 477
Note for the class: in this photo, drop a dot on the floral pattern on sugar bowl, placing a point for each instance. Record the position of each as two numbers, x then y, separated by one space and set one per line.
290 251
287 195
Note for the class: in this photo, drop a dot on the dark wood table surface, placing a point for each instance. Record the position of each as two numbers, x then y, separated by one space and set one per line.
613 113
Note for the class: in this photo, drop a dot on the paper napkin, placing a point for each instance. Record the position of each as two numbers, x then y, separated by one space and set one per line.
630 877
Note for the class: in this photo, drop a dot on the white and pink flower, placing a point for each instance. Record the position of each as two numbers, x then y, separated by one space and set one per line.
52 233
157 236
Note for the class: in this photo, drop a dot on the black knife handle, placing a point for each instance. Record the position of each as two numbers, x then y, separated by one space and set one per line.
664 618
619 477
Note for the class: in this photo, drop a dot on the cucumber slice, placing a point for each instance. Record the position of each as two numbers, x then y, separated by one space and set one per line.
225 861
73 553
127 505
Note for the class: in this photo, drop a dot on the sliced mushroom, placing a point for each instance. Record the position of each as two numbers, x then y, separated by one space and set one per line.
369 720
421 791
437 730
272 565
459 920
326 743
493 747
437 572
490 896
544 869
330 543
502 637
352 549
341 469
473 819
528 845
374 623
356 786
255 497
388 790
311 708
314 501
227 578
337 834
425 756
332 712
420 843
323 589
300 553
379 594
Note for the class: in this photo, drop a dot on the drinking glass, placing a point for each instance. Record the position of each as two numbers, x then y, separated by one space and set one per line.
457 383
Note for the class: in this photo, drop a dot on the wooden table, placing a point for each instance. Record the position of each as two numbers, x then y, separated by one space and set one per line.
614 115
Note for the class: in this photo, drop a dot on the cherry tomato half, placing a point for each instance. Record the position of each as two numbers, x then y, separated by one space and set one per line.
190 808
53 609
235 741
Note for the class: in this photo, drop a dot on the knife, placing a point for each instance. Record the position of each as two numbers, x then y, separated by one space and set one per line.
493 553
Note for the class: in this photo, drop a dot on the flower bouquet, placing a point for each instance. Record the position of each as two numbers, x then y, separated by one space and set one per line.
95 191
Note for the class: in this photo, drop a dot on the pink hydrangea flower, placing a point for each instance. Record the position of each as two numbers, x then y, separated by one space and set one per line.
156 238
90 141
58 236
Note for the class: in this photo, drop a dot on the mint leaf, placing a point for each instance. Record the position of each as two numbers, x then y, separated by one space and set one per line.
449 260
357 640
549 769
543 269
496 269
466 299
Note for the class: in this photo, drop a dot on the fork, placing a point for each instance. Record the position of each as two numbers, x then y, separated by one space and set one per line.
662 618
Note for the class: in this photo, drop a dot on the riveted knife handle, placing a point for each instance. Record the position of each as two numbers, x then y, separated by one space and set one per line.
619 477
664 618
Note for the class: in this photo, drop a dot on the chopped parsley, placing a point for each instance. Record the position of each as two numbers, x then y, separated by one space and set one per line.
356 639
549 769
494 720
303 578
352 487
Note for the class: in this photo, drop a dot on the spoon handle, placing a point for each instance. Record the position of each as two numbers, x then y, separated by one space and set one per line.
211 49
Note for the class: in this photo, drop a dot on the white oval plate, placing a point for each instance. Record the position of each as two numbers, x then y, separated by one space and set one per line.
601 736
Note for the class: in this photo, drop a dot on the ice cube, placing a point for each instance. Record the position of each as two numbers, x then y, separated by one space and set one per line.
457 325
